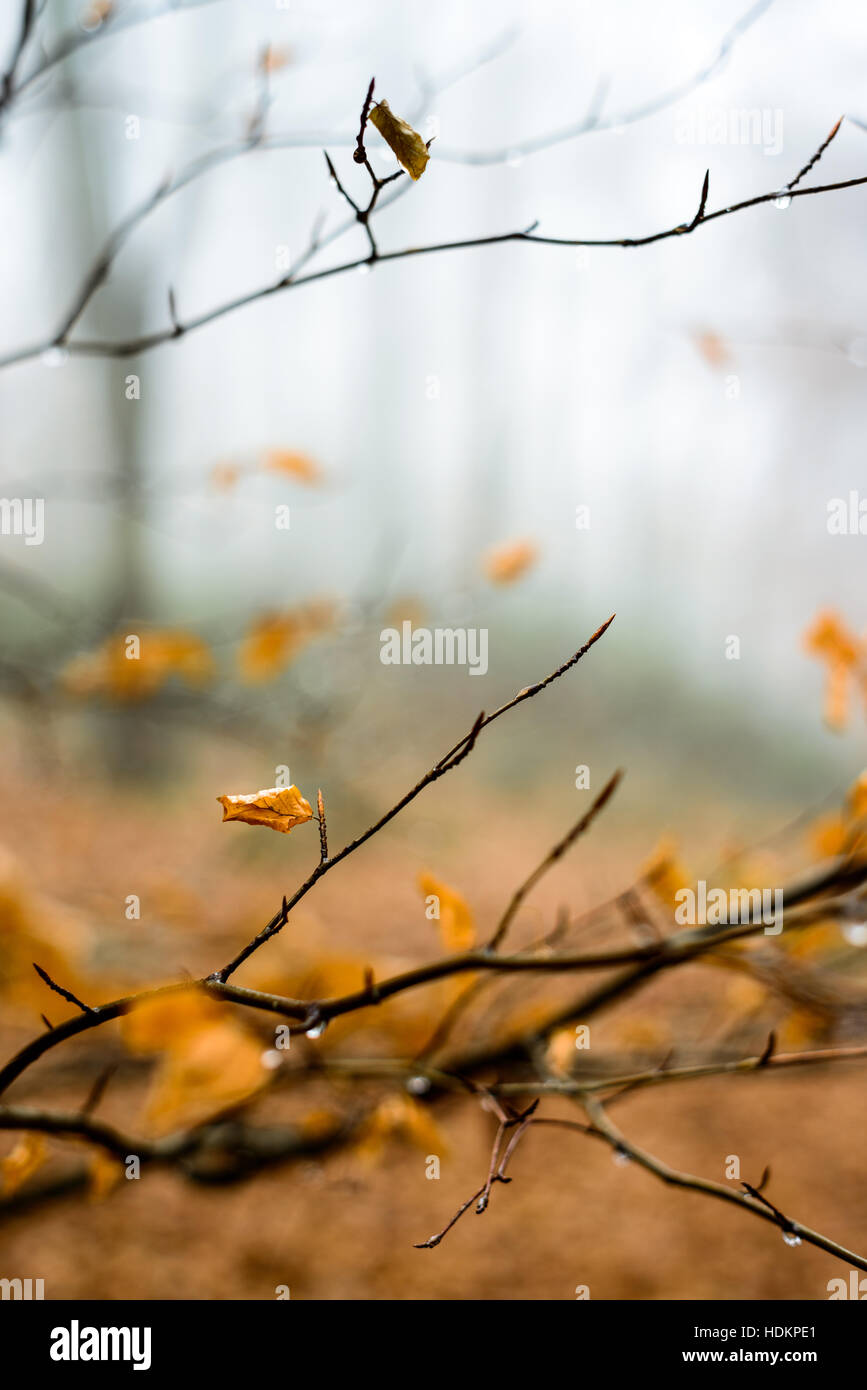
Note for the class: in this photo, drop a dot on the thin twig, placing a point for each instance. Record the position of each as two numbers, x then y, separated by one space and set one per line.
551 858
451 760
58 989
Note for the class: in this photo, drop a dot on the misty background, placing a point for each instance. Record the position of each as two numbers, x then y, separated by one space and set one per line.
703 397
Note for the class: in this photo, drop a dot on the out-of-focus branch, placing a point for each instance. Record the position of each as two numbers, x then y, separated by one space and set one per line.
593 120
116 20
7 85
551 859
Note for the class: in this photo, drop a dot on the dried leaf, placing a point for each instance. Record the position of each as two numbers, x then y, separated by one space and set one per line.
224 476
33 927
857 798
28 1155
296 465
399 1117
114 669
506 563
273 59
405 143
212 1071
838 687
166 1020
828 637
456 924
830 836
275 639
280 808
209 1063
802 1028
560 1053
664 874
96 13
712 348
104 1172
746 995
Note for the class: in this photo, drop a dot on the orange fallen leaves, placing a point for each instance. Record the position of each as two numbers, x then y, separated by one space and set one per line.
280 808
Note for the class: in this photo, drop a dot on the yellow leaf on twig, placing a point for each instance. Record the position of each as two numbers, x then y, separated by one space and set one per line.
280 808
406 144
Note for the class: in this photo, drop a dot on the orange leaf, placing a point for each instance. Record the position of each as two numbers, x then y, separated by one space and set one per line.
712 348
837 691
296 465
104 1173
165 1020
224 476
28 1155
858 798
274 640
135 666
830 836
273 59
280 808
399 1117
457 927
209 1063
664 874
505 563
